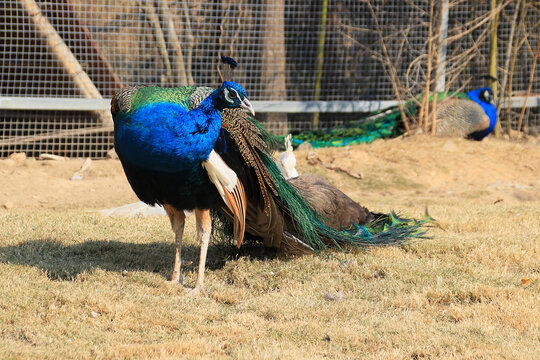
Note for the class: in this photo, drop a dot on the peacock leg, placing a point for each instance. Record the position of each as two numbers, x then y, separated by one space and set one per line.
204 229
177 218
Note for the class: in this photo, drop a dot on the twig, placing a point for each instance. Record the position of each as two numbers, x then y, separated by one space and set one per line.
504 93
238 28
226 9
531 78
513 64
273 67
172 37
437 55
61 51
160 38
64 55
493 52
390 68
476 25
190 40
320 60
424 110
345 170
224 17
462 60
313 159
415 64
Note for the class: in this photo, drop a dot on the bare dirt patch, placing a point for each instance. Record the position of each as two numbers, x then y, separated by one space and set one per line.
425 167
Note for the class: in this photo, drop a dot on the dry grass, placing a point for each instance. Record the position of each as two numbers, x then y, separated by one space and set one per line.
65 293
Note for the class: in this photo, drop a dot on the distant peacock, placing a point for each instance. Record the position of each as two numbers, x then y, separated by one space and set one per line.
196 148
472 115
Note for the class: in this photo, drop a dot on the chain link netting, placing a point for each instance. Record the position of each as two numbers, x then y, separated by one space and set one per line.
371 51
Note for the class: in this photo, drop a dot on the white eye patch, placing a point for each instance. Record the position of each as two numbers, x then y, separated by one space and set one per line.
230 95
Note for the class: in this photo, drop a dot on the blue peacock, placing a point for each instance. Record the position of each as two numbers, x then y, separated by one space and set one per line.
471 115
198 148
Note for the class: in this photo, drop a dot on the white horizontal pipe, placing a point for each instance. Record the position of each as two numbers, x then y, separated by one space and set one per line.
75 104
61 104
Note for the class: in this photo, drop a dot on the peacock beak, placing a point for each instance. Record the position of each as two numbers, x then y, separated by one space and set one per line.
246 105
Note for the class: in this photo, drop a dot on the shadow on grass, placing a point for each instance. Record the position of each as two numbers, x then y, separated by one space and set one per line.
65 262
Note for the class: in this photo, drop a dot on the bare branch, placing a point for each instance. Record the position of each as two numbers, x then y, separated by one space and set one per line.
529 88
474 24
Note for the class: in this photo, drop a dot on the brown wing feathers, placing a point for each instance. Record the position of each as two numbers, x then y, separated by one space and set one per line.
249 141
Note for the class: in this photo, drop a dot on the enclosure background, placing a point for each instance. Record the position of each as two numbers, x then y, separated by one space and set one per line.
276 43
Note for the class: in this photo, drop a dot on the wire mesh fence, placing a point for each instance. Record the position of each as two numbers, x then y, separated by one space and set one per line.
67 133
371 51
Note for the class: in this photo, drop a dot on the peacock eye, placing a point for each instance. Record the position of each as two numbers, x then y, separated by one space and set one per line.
486 95
233 94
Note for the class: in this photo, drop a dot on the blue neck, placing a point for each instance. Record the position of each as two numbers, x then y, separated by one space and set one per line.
210 105
488 108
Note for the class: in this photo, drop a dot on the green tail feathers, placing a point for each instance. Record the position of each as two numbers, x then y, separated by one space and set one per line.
313 232
403 228
378 125
352 134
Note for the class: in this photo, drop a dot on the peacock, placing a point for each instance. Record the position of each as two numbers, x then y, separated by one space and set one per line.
472 115
199 148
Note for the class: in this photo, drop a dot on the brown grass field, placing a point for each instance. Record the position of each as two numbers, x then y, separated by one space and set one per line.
76 285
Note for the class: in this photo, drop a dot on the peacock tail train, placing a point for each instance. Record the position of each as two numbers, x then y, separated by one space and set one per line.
471 115
309 226
320 237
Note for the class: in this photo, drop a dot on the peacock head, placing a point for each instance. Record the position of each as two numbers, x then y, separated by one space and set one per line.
484 95
232 95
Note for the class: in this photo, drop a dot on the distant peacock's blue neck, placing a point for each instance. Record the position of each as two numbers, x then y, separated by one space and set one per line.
488 108
491 112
